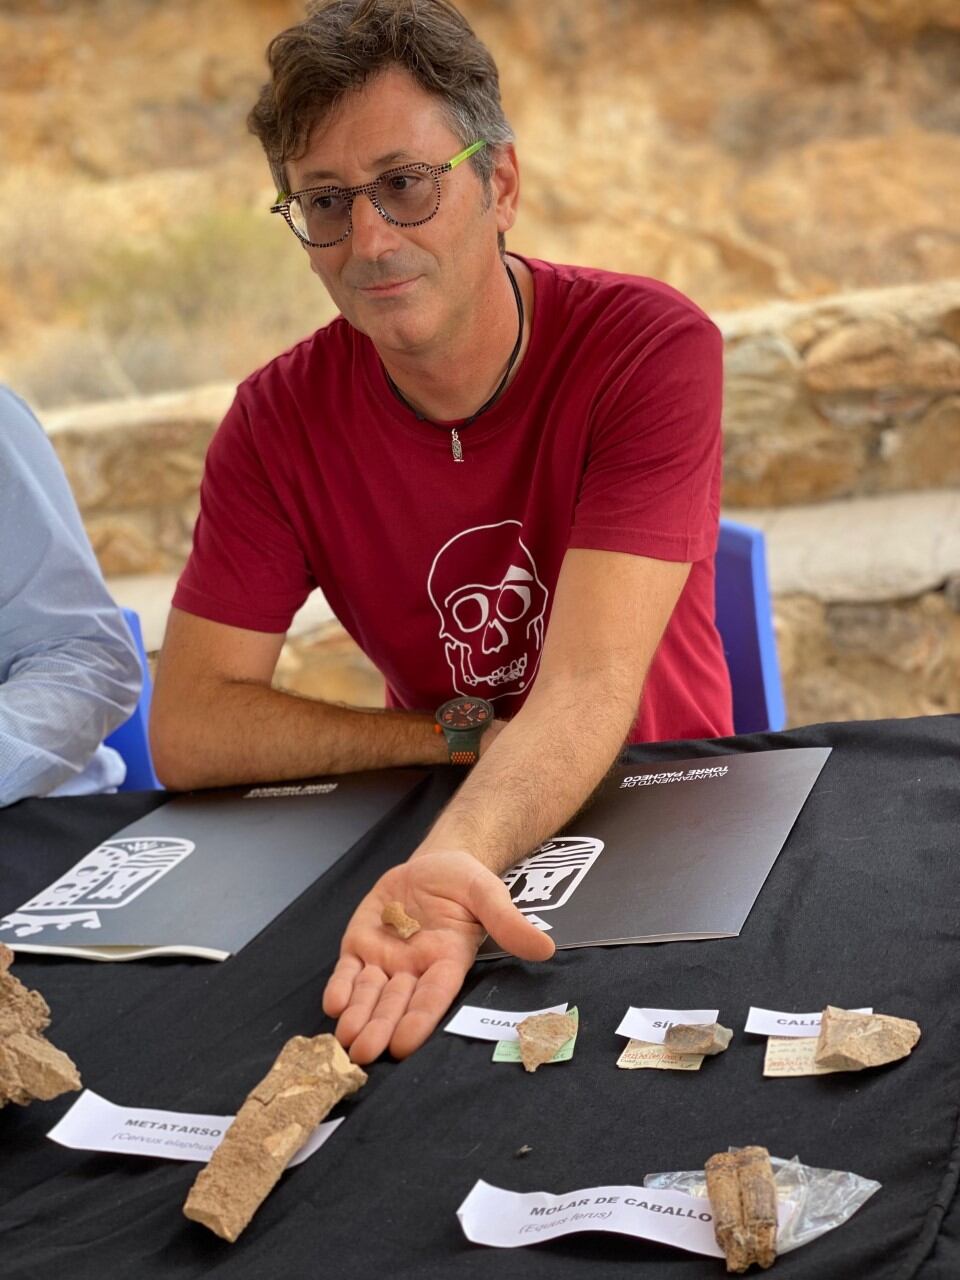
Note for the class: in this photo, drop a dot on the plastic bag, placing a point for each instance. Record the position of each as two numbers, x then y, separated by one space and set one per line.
823 1198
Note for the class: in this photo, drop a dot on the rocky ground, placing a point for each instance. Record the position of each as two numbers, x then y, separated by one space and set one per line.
743 151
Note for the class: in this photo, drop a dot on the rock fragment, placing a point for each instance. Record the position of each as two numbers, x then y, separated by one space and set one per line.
541 1035
708 1038
851 1041
394 916
743 1198
30 1067
308 1078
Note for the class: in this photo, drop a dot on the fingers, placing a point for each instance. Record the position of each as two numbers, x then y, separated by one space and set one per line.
435 992
372 1029
490 903
367 987
339 988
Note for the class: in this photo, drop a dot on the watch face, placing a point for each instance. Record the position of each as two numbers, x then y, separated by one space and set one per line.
465 713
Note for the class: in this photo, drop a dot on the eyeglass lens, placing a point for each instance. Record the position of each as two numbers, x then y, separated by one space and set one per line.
404 195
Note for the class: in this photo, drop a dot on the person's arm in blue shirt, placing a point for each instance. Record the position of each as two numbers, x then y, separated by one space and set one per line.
69 673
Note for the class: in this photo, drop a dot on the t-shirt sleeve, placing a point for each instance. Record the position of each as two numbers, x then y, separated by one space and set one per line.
247 567
651 483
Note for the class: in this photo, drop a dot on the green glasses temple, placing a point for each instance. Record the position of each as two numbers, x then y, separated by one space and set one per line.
459 158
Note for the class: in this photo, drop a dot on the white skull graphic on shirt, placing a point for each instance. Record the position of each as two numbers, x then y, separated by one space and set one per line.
491 603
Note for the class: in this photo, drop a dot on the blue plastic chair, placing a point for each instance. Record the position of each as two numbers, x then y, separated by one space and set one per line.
131 739
745 623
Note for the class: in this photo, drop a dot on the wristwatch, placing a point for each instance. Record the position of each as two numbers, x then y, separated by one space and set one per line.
462 721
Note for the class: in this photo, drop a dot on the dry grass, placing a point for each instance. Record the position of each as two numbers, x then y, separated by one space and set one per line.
99 305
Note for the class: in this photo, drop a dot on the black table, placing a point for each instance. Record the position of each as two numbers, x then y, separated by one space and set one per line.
862 907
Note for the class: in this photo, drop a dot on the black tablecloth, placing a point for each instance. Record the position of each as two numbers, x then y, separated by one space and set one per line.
861 908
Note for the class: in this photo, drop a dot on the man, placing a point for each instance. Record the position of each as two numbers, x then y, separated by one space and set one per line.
69 673
504 476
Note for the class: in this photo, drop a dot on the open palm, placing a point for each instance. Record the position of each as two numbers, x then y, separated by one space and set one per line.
387 992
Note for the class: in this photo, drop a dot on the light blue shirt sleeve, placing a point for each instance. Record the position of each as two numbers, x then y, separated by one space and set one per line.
69 672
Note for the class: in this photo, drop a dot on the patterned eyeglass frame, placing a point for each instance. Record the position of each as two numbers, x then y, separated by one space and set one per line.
369 189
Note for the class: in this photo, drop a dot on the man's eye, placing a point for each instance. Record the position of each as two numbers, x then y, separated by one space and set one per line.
325 200
403 182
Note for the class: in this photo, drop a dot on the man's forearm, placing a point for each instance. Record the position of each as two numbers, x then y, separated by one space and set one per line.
542 768
231 732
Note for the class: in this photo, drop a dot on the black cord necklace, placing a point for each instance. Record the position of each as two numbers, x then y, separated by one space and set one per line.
456 447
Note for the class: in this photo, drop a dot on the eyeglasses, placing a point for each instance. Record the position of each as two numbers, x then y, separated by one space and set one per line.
407 197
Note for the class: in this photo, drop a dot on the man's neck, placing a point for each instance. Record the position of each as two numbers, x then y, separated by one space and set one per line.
450 383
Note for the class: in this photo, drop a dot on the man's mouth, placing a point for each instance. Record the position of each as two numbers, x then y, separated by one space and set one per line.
389 289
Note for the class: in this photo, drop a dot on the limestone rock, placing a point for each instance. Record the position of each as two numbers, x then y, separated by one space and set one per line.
761 383
838 206
902 638
867 355
881 548
393 916
923 453
708 1038
542 1034
125 544
809 462
30 1067
308 1078
851 1041
743 1198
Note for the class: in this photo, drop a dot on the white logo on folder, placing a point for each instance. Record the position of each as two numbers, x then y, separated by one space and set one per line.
549 878
110 876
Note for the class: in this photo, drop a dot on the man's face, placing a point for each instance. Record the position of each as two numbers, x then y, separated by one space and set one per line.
407 288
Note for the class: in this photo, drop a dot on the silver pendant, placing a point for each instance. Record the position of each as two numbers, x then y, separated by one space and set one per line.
456 448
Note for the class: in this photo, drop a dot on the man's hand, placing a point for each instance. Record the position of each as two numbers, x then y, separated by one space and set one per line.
390 993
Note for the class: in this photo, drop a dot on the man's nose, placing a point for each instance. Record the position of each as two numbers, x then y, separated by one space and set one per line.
372 235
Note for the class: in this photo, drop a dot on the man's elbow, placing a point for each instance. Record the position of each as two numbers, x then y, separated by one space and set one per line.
173 735
163 755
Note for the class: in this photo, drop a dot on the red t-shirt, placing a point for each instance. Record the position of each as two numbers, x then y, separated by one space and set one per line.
444 573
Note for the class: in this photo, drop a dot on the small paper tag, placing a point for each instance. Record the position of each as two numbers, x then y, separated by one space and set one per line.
492 1024
651 1025
639 1054
509 1050
772 1022
793 1056
94 1124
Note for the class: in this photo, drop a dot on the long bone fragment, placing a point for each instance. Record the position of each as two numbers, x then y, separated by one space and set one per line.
308 1078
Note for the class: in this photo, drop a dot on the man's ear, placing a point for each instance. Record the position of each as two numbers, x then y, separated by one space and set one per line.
505 185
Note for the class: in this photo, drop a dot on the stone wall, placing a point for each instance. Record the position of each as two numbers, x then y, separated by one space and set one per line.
842 425
843 443
135 469
867 604
857 394
866 662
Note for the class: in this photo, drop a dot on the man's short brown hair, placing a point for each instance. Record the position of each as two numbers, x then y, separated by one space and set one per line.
341 44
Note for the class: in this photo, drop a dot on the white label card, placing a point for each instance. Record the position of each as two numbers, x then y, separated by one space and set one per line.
94 1124
651 1025
491 1024
773 1022
509 1219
